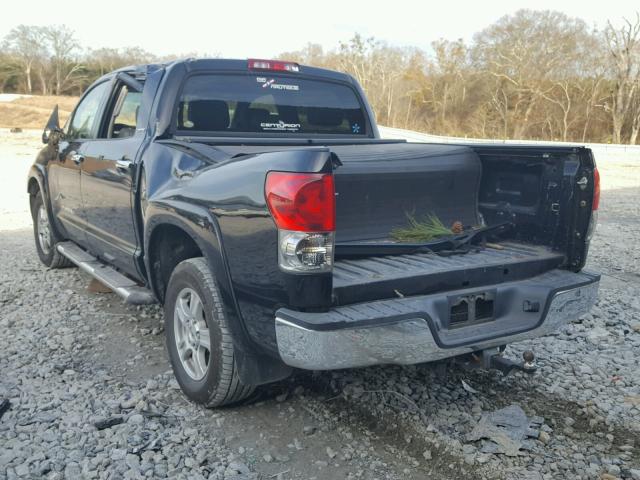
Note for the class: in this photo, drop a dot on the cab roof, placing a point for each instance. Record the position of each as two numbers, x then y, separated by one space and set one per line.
229 65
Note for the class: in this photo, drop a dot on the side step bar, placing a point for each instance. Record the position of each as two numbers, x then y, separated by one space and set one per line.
126 288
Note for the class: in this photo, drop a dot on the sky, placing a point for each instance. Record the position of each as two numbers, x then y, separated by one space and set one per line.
264 28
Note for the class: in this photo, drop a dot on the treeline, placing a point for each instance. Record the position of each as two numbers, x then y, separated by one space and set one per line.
531 75
50 61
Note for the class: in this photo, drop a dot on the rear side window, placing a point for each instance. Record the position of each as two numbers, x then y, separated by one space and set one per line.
269 104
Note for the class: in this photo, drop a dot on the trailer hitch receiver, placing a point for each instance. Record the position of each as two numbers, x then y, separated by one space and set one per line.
492 358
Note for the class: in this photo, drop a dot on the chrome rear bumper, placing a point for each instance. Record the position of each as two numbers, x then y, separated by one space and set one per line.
411 330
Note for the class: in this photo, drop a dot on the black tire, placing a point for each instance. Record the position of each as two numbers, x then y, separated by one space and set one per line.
49 256
220 384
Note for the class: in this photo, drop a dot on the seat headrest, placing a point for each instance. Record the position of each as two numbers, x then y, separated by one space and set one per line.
325 117
209 115
256 117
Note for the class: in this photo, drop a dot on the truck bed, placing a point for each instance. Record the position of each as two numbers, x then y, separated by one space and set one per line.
374 278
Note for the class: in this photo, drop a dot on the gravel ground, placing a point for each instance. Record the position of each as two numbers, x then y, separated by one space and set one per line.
92 395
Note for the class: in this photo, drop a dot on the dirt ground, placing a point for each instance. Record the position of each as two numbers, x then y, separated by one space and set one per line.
33 112
359 430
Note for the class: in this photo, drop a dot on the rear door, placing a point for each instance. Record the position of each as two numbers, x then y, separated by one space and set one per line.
107 179
65 171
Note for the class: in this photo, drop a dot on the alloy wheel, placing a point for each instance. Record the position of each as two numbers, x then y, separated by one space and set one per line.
192 334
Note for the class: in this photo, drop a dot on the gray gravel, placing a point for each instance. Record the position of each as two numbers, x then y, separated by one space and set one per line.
92 395
58 394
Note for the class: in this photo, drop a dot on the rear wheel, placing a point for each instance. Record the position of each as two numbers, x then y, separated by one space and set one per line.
45 236
198 338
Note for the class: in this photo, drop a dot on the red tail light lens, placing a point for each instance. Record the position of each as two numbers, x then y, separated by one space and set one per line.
302 201
596 189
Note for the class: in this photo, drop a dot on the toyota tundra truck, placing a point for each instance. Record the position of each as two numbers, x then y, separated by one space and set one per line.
257 202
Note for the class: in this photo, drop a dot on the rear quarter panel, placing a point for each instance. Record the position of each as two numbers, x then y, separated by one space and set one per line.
222 205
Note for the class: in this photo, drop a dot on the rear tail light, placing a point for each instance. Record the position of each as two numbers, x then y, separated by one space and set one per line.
593 222
596 189
273 65
303 208
302 201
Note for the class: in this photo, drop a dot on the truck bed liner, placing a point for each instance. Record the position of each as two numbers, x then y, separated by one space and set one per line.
391 276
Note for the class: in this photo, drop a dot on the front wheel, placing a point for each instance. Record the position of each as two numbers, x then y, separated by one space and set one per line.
198 338
45 236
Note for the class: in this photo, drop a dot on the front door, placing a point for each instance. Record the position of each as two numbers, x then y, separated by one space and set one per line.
65 171
107 178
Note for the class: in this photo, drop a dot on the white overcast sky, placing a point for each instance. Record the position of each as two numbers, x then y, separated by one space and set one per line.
264 28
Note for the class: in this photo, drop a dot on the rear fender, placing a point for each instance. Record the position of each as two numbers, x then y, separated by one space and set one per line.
254 367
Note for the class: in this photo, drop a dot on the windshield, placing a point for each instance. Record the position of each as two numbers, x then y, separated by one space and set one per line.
268 104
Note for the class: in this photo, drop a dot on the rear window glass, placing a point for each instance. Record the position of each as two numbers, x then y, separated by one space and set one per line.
269 104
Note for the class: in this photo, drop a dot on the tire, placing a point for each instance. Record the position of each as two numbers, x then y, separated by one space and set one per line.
45 238
192 304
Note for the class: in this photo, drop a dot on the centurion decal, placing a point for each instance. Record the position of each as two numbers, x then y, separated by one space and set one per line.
271 84
280 126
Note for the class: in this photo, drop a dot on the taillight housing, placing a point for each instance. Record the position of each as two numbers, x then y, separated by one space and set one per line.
595 204
303 208
596 189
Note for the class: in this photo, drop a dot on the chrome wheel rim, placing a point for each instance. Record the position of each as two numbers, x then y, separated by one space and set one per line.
44 231
191 334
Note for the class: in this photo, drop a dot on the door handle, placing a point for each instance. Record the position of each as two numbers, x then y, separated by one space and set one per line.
77 158
124 165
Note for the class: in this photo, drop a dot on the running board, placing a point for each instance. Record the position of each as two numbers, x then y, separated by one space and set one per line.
126 288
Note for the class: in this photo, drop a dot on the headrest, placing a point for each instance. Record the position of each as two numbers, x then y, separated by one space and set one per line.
325 117
209 115
257 116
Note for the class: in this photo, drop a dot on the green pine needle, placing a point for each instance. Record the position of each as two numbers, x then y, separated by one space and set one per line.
421 230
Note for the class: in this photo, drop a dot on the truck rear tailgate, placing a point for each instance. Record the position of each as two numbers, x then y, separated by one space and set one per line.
377 278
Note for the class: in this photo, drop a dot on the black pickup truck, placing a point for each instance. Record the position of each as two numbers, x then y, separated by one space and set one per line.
257 202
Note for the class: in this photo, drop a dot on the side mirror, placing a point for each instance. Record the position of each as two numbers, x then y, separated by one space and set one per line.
53 126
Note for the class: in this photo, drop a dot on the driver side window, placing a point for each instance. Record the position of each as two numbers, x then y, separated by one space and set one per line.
83 124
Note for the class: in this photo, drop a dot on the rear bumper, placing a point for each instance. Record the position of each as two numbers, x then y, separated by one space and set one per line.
415 329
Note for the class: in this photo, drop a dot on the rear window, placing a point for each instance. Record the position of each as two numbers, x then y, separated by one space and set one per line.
268 104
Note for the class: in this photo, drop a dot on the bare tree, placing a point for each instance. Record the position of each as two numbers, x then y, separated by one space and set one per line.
105 60
378 68
635 117
27 44
623 44
564 101
63 58
524 52
590 91
450 68
310 54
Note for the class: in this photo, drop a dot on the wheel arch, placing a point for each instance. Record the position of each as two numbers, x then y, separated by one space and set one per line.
33 187
200 227
36 182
